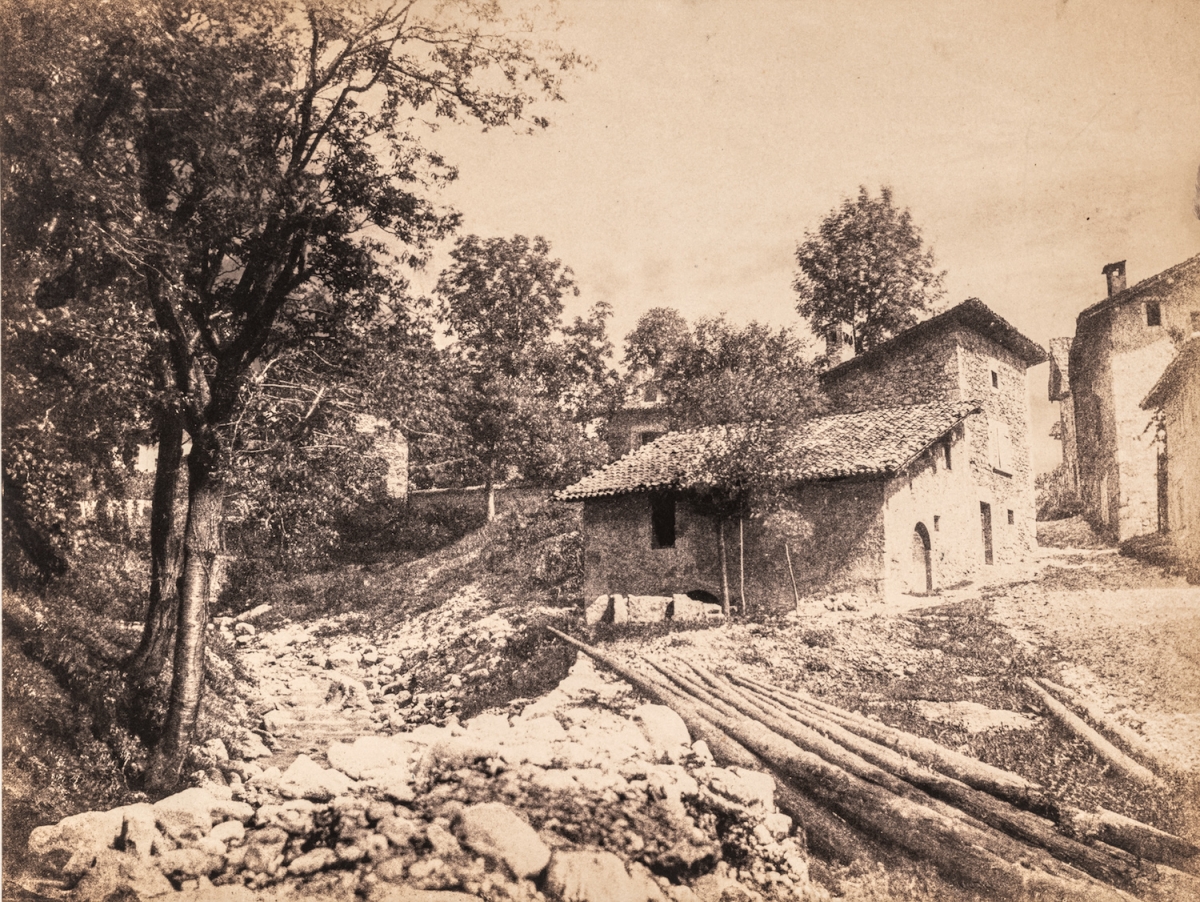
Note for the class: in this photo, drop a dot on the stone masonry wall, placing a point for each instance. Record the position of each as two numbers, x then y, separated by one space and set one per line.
619 557
1009 488
917 375
1117 358
945 502
1182 414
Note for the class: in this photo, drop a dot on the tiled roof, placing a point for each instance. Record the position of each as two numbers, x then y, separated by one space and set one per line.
971 314
877 442
1185 366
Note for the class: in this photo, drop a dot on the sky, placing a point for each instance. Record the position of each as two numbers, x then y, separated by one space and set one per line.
1033 141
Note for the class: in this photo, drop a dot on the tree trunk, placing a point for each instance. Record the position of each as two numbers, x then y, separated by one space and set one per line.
202 543
490 490
742 565
724 567
150 662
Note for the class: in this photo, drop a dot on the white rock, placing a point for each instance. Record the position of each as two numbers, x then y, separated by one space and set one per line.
305 779
597 610
595 877
664 729
494 830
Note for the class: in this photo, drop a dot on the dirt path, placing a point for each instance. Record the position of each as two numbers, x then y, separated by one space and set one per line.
1123 635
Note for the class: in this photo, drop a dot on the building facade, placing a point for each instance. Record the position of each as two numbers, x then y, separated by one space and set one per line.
1122 346
966 353
1059 391
922 480
1175 399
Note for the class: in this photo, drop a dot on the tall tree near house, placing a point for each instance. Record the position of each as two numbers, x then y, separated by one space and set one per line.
524 381
661 337
866 264
223 156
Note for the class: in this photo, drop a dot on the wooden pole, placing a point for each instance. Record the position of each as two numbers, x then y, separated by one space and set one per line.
1109 752
724 567
792 574
742 564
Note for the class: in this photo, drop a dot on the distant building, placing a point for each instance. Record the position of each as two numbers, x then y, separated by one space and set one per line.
1177 395
640 420
1059 390
1122 346
391 447
921 479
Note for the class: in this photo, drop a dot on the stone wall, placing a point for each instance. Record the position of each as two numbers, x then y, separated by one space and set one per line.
1115 361
944 503
1008 487
1182 416
620 557
929 372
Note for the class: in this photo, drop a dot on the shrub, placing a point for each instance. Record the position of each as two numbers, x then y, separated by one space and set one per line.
1057 498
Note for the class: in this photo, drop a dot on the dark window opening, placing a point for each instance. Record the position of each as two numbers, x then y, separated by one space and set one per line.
651 393
985 517
1010 518
936 520
995 379
946 455
645 438
1153 314
662 521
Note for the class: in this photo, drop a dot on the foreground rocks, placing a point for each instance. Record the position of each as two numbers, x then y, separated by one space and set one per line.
581 796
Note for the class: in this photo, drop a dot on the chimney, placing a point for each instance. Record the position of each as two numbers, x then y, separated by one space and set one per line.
1115 273
839 343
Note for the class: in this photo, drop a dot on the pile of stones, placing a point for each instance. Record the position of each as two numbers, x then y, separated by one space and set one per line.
580 797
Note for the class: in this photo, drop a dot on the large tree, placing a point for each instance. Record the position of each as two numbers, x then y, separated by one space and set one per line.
224 157
526 383
866 264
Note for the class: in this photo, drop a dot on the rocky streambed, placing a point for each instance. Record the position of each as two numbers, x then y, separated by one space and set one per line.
584 795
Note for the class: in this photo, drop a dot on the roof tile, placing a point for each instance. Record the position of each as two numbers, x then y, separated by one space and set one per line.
867 443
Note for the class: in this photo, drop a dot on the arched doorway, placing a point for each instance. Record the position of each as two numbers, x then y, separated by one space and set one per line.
921 575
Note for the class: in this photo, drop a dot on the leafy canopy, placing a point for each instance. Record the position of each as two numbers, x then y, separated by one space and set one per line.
866 264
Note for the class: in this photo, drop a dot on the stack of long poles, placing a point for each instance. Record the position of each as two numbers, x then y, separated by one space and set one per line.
858 786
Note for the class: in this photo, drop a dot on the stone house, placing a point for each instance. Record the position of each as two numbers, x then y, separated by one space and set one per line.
1122 345
1059 390
1177 395
922 482
640 420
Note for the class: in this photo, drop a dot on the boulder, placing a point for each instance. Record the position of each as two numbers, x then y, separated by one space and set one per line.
294 817
620 609
686 609
139 833
595 877
249 746
228 832
494 830
215 750
369 755
275 721
347 692
119 875
305 779
89 829
597 611
665 731
189 863
647 608
311 862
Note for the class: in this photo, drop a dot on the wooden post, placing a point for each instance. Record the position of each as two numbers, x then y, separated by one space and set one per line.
724 568
791 573
742 564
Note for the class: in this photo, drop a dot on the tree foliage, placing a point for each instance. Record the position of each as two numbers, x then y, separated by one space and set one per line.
225 158
866 264
661 335
524 383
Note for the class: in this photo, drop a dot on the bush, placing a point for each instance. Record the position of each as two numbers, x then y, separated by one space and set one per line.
1057 498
